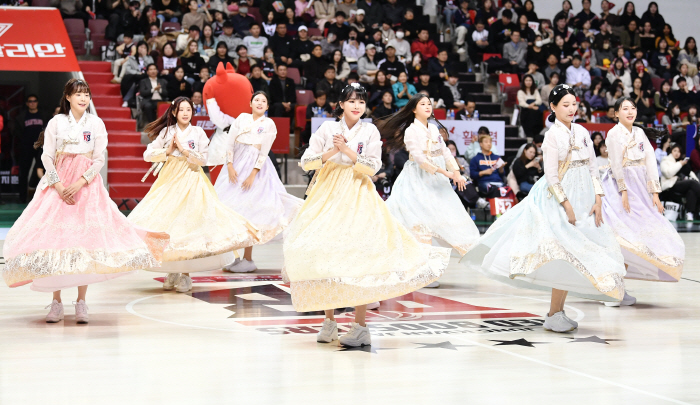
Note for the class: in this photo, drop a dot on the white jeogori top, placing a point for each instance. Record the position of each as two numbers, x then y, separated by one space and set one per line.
192 138
631 148
363 138
260 133
64 135
558 142
423 143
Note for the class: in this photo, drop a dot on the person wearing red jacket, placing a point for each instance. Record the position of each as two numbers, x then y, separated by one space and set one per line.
424 45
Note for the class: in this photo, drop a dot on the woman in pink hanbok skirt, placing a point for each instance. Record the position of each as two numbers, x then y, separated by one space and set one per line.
72 234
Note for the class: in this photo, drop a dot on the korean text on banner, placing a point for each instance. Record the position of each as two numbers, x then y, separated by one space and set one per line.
464 133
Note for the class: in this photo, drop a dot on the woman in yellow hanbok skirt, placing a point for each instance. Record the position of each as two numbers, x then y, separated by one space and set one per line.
204 233
344 249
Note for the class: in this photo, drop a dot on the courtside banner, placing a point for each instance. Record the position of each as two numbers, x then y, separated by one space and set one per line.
35 39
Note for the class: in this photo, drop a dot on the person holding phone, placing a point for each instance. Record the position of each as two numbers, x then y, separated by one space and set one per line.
677 177
527 169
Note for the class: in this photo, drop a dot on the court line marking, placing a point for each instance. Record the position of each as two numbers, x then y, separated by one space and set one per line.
568 370
690 279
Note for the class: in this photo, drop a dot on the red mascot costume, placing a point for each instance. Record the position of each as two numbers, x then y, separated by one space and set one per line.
226 95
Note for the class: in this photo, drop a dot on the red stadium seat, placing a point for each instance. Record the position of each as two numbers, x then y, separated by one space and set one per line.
440 113
660 115
305 97
293 73
281 144
255 13
41 3
163 107
509 79
300 115
488 56
315 32
74 26
97 35
657 82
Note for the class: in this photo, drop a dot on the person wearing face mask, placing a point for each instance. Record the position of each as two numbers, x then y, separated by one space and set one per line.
672 118
535 53
403 47
604 57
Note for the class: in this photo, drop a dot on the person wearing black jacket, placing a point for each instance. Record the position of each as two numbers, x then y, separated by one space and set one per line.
330 85
192 63
28 125
424 83
198 84
302 47
527 169
391 64
319 101
386 107
221 56
257 81
177 85
315 67
152 90
281 45
283 95
374 13
449 88
499 31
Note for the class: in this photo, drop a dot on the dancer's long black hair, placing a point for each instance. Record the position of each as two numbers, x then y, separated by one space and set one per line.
394 126
72 86
651 133
168 119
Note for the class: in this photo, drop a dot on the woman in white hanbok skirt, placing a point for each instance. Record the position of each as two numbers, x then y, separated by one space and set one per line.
555 238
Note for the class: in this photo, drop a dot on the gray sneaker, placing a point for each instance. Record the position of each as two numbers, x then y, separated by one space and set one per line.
571 321
184 284
357 336
329 332
557 323
56 312
81 314
626 301
170 281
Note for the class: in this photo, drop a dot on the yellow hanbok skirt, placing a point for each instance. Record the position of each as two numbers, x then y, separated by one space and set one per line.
345 249
204 233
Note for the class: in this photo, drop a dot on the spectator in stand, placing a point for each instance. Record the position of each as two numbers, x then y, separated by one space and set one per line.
629 38
387 32
152 89
536 75
402 47
339 29
595 96
315 67
168 60
71 9
547 88
606 16
374 13
276 7
283 94
359 24
417 64
29 123
639 72
604 56
375 38
629 14
243 64
254 42
257 80
473 148
167 10
610 117
218 24
528 168
124 50
515 53
409 24
642 98
425 84
588 59
269 25
469 112
424 45
586 15
403 91
391 65
508 5
242 21
353 49
677 176
486 168
367 65
330 85
200 110
207 41
198 85
647 38
562 50
689 55
281 45
672 118
531 107
325 12
347 7
667 34
577 76
615 92
462 19
192 62
526 33
662 98
682 96
438 67
292 22
683 72
302 47
229 38
269 65
320 101
618 72
196 15
342 68
500 31
653 17
552 67
135 70
393 11
177 85
528 10
663 60
386 107
451 93
692 117
381 84
221 55
488 13
329 44
478 43
183 40
695 157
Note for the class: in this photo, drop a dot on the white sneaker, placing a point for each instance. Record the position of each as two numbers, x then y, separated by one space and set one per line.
557 323
170 281
56 312
125 104
373 305
689 216
481 203
357 336
626 301
81 314
461 50
329 332
184 284
235 262
434 284
571 321
243 266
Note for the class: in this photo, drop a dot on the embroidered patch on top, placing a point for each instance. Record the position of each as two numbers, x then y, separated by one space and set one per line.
585 142
86 136
641 146
360 146
191 144
260 130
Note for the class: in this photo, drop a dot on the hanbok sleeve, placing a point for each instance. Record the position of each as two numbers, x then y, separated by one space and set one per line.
156 150
370 162
216 116
593 168
49 155
615 156
199 157
231 141
269 138
416 147
653 184
98 153
313 155
550 157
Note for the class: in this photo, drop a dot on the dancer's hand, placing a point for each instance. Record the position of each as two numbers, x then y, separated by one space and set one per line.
248 183
625 202
569 212
70 191
60 189
232 174
460 181
657 203
339 142
171 148
597 210
177 144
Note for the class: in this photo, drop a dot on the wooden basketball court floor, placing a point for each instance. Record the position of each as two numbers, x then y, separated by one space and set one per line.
237 340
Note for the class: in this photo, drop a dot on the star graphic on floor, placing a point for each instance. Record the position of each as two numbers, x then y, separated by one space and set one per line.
441 345
592 339
518 342
365 348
